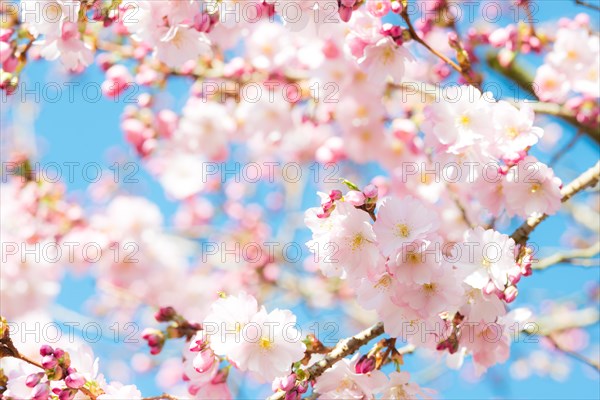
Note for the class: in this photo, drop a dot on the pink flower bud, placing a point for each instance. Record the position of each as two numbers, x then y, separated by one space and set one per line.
46 350
59 353
371 191
67 394
285 383
348 3
5 34
75 381
33 379
396 6
5 51
202 22
49 362
335 195
489 288
355 198
365 365
165 314
204 360
510 294
514 277
345 13
41 392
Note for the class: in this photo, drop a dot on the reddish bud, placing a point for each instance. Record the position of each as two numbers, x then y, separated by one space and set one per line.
365 365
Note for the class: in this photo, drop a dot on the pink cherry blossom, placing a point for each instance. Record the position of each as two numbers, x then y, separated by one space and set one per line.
401 221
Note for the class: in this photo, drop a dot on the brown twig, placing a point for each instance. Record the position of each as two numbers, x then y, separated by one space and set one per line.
416 37
521 77
588 179
592 363
569 257
588 4
559 154
344 348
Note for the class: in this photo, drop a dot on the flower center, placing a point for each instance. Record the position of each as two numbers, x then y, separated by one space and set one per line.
265 343
535 187
402 230
486 262
463 120
429 288
512 132
384 282
357 241
387 56
413 258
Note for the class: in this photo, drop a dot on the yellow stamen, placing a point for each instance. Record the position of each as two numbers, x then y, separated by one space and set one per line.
357 241
402 230
384 282
265 343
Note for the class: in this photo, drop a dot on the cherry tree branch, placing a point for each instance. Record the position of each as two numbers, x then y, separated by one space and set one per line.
570 257
417 38
587 4
592 363
518 74
344 348
8 349
588 179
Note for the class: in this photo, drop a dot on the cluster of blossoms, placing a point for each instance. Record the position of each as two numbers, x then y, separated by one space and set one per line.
424 288
35 214
483 144
235 332
57 373
572 65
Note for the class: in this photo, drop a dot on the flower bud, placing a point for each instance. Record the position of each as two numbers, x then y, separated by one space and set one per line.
335 195
33 379
46 350
41 392
202 22
371 191
165 314
489 288
365 365
355 198
285 383
49 362
75 381
510 294
67 394
204 360
345 13
59 353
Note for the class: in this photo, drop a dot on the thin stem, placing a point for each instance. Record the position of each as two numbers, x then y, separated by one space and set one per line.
524 80
569 257
592 363
587 4
344 348
559 154
588 179
416 37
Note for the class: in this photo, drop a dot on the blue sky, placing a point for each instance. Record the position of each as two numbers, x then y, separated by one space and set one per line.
84 131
